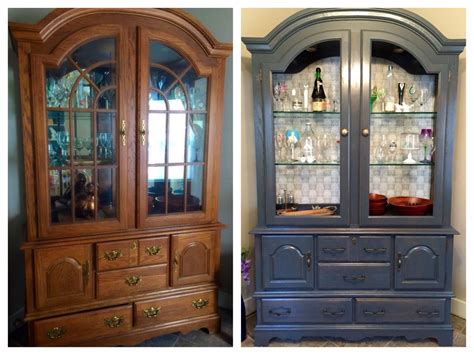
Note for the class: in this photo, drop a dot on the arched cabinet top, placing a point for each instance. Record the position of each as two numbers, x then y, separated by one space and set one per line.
310 17
56 22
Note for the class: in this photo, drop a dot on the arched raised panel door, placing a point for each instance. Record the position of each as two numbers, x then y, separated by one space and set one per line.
63 275
193 257
80 133
288 262
420 262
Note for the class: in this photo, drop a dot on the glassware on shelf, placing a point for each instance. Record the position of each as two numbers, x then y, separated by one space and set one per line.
292 139
87 143
306 98
381 98
373 98
413 95
78 146
308 143
63 141
280 142
410 142
389 103
381 152
277 97
426 140
296 102
424 97
392 151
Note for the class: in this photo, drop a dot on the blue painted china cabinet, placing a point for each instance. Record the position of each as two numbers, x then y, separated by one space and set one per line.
354 177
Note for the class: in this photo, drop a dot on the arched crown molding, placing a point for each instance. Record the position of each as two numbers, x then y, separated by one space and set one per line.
40 32
309 17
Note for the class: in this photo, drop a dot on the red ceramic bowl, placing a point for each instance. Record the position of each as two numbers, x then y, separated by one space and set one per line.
377 204
377 211
373 197
410 206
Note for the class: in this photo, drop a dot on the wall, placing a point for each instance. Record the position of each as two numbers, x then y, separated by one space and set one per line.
452 23
219 23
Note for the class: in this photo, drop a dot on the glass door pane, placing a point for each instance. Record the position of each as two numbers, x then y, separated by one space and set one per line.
176 126
403 101
307 124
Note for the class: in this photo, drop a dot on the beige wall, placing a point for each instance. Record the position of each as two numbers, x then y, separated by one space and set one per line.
452 23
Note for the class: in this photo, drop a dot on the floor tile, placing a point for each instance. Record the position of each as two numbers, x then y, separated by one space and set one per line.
459 340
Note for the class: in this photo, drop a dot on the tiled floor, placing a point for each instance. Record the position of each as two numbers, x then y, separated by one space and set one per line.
459 326
197 338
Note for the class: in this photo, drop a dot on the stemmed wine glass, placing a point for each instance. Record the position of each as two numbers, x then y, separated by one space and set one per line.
292 139
87 143
426 140
78 146
102 140
280 144
413 94
63 141
424 97
277 96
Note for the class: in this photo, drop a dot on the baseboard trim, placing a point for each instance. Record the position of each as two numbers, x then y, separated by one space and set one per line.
250 306
15 320
458 307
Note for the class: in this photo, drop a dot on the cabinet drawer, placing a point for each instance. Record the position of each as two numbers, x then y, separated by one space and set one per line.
370 248
153 251
165 310
334 248
306 310
83 326
116 255
400 310
131 281
354 276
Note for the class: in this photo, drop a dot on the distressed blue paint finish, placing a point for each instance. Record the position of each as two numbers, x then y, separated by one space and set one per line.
334 248
354 276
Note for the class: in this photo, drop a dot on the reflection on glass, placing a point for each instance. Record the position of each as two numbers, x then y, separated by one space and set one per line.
95 51
156 190
176 98
59 83
176 137
160 79
194 180
106 100
176 189
59 185
58 138
156 138
103 76
106 137
84 95
84 194
106 193
164 55
196 137
83 127
156 102
197 90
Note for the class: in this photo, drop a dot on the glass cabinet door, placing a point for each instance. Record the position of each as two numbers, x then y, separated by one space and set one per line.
83 137
401 138
172 132
309 119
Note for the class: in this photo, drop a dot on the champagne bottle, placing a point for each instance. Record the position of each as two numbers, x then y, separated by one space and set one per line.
318 95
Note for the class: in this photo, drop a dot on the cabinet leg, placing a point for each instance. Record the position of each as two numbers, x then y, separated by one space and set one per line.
445 339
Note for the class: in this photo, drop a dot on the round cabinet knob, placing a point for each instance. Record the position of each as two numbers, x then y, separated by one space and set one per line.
365 132
344 132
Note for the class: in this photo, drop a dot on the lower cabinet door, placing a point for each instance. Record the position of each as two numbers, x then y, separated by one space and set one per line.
401 310
288 262
306 310
193 257
420 262
73 329
63 275
175 308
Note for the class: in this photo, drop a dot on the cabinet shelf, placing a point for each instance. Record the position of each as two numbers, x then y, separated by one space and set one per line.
401 164
307 164
305 114
394 115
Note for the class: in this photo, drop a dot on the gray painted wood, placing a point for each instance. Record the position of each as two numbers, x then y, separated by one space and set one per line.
354 276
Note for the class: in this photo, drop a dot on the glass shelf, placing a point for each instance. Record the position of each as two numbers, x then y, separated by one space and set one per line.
401 164
392 115
307 164
306 114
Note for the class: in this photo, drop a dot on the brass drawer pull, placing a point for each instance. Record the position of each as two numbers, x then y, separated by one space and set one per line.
132 280
334 313
427 314
143 132
375 250
56 332
112 255
114 322
354 278
374 313
153 250
123 133
152 312
200 303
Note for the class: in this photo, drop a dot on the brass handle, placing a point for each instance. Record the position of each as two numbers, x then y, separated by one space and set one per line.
132 280
399 261
308 260
134 245
123 133
152 312
114 322
86 273
344 132
175 262
112 255
365 132
56 332
200 303
143 132
153 250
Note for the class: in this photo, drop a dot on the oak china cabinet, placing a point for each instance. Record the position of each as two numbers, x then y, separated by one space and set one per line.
121 118
354 182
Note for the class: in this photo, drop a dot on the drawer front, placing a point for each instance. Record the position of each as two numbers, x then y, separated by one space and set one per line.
116 255
165 310
401 310
354 276
119 283
306 310
72 329
153 251
371 248
334 248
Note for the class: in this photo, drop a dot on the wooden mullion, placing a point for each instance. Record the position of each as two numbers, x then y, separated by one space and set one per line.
178 79
185 161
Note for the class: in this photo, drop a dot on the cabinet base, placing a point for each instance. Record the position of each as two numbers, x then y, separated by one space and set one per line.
442 333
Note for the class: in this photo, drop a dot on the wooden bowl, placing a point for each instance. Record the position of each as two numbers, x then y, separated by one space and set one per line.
373 197
410 206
